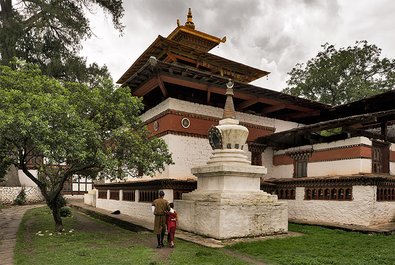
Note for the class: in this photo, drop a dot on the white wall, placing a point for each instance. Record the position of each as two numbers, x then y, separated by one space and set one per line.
392 164
359 211
326 168
189 151
141 211
339 167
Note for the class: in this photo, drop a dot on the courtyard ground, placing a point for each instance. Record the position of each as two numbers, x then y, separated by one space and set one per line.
89 241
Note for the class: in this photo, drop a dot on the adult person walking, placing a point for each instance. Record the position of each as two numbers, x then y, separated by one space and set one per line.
159 208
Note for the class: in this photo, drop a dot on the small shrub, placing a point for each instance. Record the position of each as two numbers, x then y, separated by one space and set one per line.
65 211
21 198
61 201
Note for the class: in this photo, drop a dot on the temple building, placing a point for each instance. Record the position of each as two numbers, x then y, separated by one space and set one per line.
342 177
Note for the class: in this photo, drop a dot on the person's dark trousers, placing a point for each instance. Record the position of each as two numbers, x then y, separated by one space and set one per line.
158 238
162 236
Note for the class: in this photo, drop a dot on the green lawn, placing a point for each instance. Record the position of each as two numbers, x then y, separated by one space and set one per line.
94 242
323 246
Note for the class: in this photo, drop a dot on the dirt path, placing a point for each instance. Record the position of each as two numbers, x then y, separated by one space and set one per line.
10 219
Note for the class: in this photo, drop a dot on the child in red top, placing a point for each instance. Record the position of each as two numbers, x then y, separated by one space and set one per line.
171 221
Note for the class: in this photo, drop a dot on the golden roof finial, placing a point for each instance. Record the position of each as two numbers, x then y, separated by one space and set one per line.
189 22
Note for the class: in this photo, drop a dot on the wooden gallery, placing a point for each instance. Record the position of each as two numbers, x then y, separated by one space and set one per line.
346 178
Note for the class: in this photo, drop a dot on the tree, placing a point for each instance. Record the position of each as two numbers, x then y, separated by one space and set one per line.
340 76
49 32
77 130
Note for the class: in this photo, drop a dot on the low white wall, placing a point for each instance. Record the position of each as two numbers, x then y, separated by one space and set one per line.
362 210
326 168
9 194
339 167
392 164
139 210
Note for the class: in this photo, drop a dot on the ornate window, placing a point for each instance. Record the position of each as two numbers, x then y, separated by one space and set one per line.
300 162
380 157
385 193
334 194
256 153
285 194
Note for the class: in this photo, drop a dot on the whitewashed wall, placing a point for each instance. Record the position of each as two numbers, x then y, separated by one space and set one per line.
185 106
362 210
392 164
142 211
326 168
189 151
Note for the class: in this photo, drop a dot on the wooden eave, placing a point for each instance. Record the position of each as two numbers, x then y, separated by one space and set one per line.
309 134
148 78
162 46
380 102
204 36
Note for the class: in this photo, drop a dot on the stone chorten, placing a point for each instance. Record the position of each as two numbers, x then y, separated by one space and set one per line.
228 202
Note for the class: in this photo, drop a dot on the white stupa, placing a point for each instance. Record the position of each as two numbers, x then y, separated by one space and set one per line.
228 202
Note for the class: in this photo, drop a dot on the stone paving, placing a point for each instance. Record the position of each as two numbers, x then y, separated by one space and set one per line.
10 219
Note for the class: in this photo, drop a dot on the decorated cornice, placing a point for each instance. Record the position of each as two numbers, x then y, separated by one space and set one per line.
300 154
340 181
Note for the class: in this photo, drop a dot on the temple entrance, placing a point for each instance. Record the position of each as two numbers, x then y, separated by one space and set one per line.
380 157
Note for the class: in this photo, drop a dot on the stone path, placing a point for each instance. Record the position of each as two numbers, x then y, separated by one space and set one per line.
10 218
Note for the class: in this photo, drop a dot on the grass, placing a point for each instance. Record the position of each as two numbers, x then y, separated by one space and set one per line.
322 246
95 242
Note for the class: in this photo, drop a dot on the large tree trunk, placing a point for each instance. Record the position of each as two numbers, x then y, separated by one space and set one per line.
54 205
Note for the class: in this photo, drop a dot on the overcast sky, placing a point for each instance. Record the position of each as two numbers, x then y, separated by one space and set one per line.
271 35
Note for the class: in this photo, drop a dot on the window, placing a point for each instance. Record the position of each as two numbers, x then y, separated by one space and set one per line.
256 158
300 168
148 195
114 194
329 194
128 195
102 194
385 194
380 157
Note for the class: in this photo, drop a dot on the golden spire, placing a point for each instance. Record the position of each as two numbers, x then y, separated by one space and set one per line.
189 22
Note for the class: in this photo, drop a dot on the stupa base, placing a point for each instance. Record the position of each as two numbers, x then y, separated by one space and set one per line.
228 214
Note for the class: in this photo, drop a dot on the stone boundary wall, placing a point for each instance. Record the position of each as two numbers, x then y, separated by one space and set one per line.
8 194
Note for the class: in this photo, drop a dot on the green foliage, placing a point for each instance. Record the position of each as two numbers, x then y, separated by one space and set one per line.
21 198
65 211
322 246
330 132
94 132
61 201
49 34
341 76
